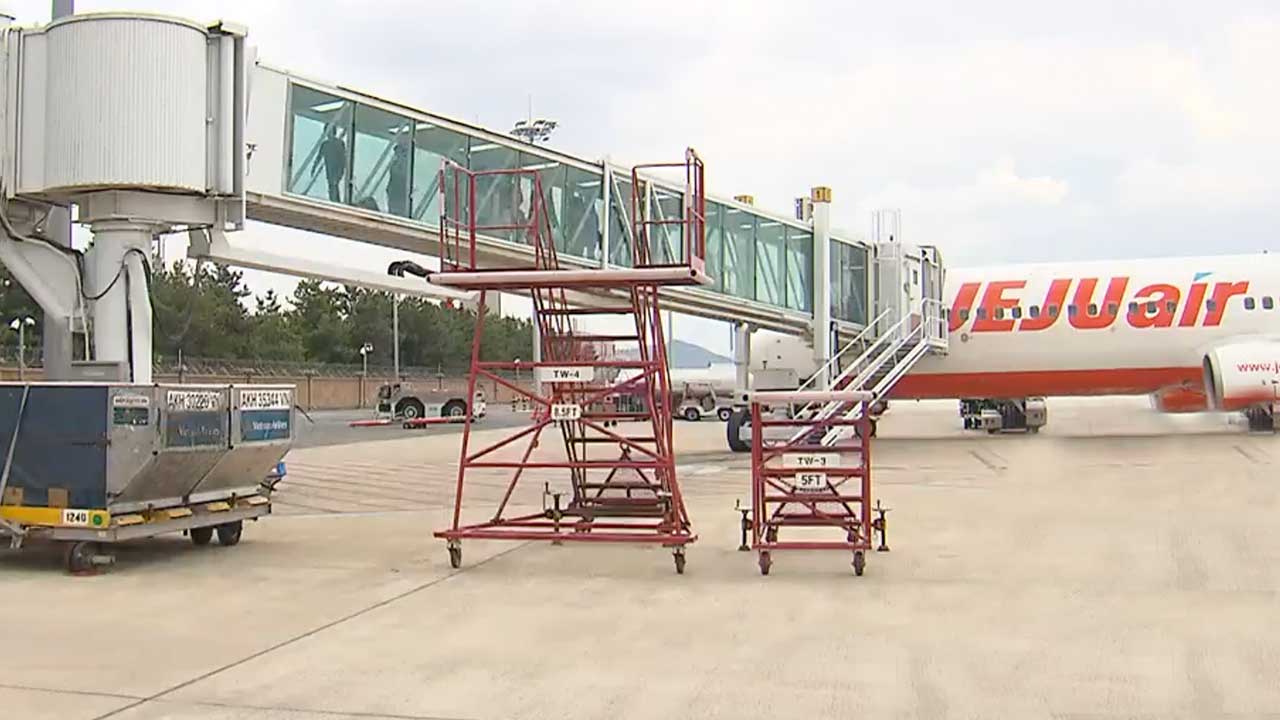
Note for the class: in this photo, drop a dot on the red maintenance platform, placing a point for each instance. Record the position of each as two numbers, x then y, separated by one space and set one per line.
598 444
811 472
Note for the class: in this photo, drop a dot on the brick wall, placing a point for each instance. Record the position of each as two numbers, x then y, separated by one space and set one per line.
316 392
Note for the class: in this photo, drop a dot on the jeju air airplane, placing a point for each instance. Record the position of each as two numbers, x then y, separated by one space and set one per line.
1195 334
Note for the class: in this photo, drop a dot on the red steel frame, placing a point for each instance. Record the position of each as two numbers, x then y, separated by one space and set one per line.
622 484
692 223
844 504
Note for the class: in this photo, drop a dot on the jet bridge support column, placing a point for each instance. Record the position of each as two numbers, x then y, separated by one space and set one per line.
536 354
741 356
117 279
821 329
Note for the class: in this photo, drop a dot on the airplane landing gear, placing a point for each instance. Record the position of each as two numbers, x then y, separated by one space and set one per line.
1261 419
997 415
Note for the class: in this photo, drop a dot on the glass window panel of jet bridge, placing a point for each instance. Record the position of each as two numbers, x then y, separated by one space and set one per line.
799 269
620 222
849 295
582 203
551 178
715 244
770 262
319 151
381 158
502 201
432 145
739 253
666 238
835 261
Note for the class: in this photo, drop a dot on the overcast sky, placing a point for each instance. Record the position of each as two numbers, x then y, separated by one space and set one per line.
1005 131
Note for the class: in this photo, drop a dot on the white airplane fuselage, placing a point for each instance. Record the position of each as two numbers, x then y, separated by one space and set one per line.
1110 327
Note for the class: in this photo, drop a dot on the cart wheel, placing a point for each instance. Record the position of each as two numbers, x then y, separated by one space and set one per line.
79 557
455 557
691 414
229 533
200 535
678 554
771 535
859 562
723 414
766 562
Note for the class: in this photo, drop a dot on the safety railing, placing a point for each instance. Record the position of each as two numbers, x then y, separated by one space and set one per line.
691 224
462 219
937 323
859 340
883 362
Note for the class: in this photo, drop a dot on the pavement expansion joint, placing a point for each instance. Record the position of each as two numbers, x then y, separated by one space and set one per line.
312 632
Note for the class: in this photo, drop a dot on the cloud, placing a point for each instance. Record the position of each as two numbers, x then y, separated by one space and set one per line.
1156 185
1004 130
994 187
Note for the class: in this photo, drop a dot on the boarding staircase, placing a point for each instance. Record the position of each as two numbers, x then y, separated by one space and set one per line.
882 354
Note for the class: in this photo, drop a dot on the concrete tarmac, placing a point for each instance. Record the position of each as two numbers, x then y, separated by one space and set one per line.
1119 564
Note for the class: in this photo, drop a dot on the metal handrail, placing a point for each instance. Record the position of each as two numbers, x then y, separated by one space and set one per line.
693 206
890 378
933 329
834 359
925 325
870 361
874 359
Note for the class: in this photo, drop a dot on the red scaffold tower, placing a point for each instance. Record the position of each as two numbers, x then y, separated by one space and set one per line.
814 477
596 462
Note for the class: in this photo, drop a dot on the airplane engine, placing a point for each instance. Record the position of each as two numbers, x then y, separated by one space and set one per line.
1241 375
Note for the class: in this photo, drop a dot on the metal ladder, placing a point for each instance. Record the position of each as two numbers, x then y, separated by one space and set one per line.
881 362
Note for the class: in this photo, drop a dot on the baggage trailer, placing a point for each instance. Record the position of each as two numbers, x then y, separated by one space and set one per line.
89 465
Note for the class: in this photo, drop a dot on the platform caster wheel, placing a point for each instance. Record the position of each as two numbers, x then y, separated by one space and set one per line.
766 562
455 557
859 562
200 536
229 533
82 557
679 558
